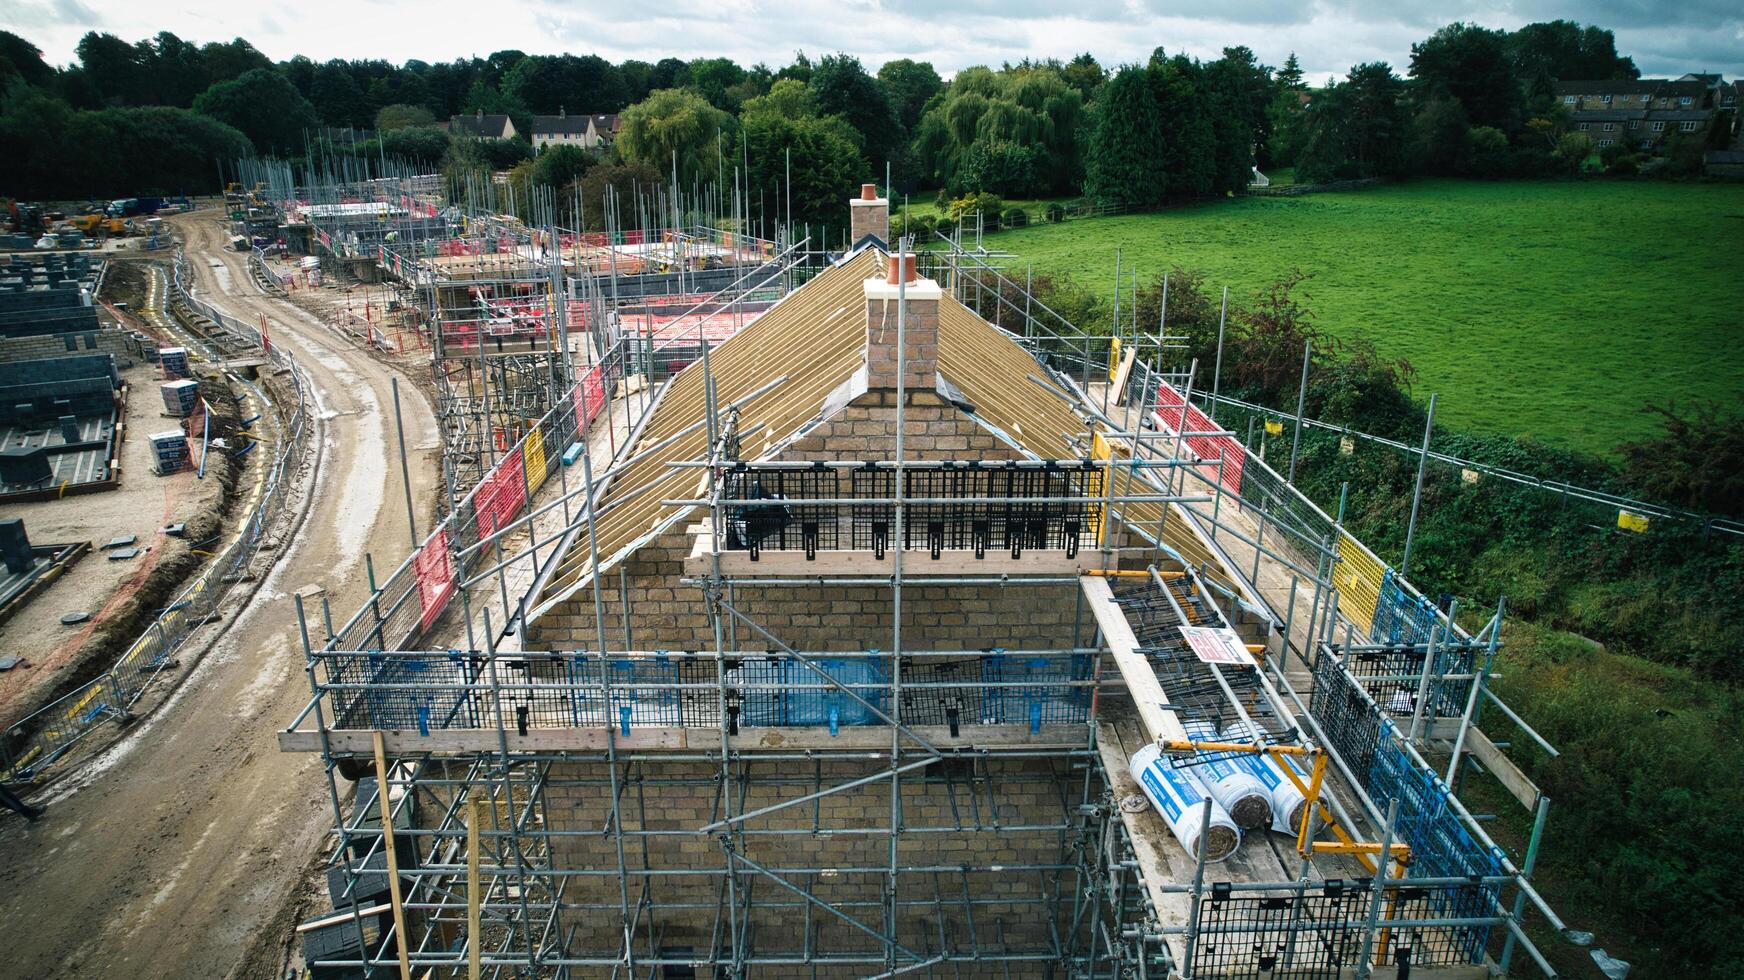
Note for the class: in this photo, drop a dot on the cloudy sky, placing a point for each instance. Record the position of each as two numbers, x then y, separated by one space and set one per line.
1329 36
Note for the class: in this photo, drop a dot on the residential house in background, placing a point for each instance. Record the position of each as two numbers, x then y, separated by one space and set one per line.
563 129
1641 113
482 125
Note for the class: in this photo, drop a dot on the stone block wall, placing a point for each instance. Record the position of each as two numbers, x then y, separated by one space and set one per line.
59 345
969 824
662 612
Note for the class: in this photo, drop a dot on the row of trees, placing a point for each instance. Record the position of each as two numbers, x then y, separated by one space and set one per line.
1476 102
1172 129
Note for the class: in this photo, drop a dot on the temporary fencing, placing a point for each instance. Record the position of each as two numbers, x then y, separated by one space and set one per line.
31 745
1474 470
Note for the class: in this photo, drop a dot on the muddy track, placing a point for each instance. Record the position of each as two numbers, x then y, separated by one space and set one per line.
181 851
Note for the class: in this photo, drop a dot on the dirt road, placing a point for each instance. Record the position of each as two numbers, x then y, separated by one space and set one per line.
177 853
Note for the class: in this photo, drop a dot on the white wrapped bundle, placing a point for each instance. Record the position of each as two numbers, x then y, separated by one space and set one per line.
1181 800
1288 802
1233 785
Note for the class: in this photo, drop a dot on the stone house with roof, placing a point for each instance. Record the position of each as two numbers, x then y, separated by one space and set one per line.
482 125
586 131
1640 113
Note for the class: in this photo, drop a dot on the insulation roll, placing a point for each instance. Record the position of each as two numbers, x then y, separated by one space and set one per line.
1181 799
1288 802
1232 784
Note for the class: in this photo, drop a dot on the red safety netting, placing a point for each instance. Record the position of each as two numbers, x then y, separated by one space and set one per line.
1208 448
501 495
590 396
434 569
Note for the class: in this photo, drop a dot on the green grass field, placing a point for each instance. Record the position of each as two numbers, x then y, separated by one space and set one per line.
1551 309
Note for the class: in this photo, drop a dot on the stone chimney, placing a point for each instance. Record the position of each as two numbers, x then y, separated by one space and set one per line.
920 328
868 214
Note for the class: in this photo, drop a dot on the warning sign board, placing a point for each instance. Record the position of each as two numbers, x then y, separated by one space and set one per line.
1213 645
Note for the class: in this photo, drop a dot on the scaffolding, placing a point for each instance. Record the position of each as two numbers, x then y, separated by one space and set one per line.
886 802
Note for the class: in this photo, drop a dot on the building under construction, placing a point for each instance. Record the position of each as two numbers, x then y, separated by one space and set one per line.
905 631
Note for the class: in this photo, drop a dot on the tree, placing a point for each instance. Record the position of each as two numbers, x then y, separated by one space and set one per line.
841 87
501 154
263 106
545 84
827 164
233 59
1490 153
336 96
1239 90
910 85
1027 110
1122 165
713 77
112 68
174 70
560 164
425 144
157 149
799 69
1002 167
31 117
787 98
1471 64
1356 128
624 180
1441 138
22 61
1263 353
110 152
1572 151
1375 100
1289 77
1085 74
637 76
1696 461
1286 116
667 73
1188 148
673 124
1565 51
400 116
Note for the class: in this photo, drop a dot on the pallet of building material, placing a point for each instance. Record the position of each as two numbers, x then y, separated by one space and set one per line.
180 397
169 451
174 360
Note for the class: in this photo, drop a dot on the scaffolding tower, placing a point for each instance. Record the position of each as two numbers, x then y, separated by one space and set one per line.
927 794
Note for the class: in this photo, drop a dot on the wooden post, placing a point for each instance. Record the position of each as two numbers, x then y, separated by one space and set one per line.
387 822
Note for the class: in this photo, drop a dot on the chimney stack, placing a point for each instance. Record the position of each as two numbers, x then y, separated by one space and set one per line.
920 327
868 214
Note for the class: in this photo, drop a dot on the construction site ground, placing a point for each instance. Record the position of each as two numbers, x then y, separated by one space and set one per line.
179 851
140 507
347 306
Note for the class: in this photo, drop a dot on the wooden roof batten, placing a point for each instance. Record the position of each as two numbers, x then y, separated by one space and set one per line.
816 337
